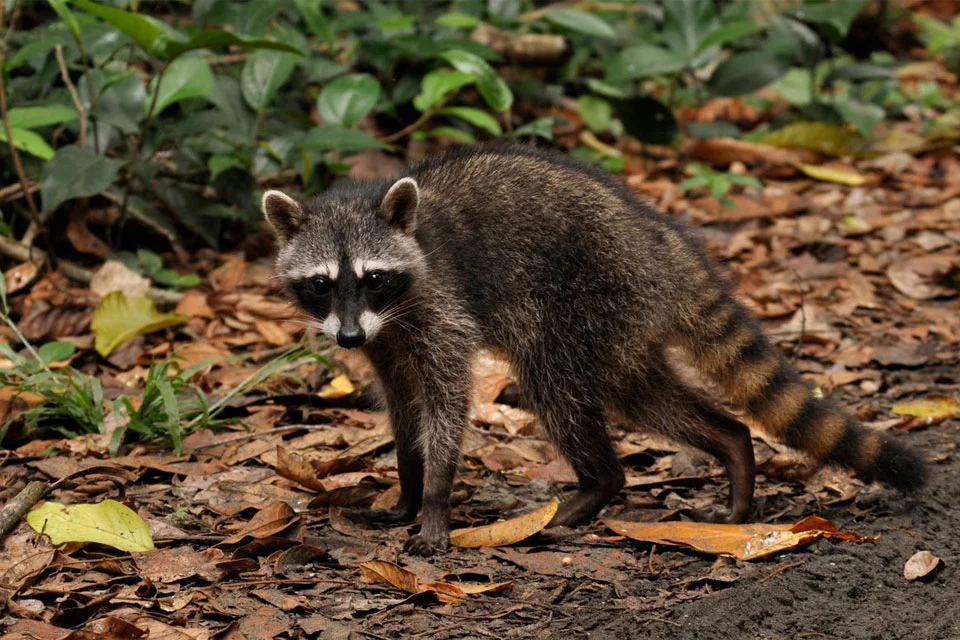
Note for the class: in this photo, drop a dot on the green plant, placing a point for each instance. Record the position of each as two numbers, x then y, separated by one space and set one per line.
717 183
150 264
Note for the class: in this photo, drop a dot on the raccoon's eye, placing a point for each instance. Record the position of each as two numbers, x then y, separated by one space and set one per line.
374 280
319 286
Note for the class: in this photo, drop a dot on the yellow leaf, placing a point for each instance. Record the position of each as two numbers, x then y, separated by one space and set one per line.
840 175
933 409
339 387
119 318
109 522
473 588
383 571
507 532
829 139
742 541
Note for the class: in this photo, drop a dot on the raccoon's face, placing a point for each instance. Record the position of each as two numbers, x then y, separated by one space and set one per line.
348 258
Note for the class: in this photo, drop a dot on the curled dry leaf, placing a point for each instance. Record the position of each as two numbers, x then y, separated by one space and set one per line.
20 276
920 277
267 522
833 173
920 565
298 469
742 541
506 532
406 580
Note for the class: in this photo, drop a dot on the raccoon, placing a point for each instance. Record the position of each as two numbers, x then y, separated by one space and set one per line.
583 288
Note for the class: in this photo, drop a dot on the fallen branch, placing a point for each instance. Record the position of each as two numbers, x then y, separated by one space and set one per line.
17 251
13 511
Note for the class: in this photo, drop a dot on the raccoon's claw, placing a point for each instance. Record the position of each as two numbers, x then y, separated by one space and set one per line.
418 545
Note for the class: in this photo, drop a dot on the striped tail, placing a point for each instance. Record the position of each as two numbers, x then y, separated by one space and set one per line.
728 345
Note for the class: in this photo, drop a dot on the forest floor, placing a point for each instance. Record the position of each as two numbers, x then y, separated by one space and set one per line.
854 285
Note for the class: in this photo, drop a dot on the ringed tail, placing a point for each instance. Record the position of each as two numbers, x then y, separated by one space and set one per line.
729 347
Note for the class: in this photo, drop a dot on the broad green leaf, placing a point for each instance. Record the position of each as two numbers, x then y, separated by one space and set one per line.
75 173
123 103
642 61
220 162
541 127
63 11
318 23
476 117
595 111
55 351
494 90
150 261
746 72
728 33
863 115
582 22
348 99
437 85
686 23
262 76
143 30
457 20
109 523
119 318
31 51
187 77
28 141
34 117
214 39
331 138
836 17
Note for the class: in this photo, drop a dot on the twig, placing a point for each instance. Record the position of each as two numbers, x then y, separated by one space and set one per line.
256 434
18 167
410 128
17 251
14 191
779 570
73 94
13 511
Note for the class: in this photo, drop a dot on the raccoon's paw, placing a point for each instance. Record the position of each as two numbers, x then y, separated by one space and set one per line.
716 514
421 545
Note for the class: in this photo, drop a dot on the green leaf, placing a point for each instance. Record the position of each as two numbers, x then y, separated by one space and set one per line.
262 76
67 17
332 138
542 127
316 21
457 20
728 33
437 85
33 52
109 522
123 103
188 77
746 72
34 117
582 22
642 61
686 23
75 173
28 141
863 115
457 135
150 261
218 163
836 17
348 99
494 90
119 318
141 29
595 111
55 351
214 39
476 117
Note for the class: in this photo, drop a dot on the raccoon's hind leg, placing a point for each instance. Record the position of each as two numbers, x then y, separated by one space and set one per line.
667 406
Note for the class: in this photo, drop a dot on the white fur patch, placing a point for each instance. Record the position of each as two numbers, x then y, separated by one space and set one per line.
329 269
362 267
370 323
331 325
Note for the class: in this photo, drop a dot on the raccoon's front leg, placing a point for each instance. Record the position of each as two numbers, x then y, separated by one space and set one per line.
406 426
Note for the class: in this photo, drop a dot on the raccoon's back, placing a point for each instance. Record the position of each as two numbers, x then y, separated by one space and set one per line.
523 233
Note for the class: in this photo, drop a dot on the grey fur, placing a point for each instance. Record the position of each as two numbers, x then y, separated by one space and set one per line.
548 262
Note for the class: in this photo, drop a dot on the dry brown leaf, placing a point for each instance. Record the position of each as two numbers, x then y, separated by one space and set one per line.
742 541
195 305
116 276
80 236
406 580
267 522
507 531
21 276
920 565
179 563
919 277
298 469
229 275
273 333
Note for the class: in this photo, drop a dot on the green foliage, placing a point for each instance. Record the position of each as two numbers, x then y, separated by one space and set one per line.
717 183
191 107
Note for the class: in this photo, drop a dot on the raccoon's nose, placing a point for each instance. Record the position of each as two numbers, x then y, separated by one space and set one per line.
351 337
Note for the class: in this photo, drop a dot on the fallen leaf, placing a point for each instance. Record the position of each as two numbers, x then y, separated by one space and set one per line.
298 469
267 522
507 531
820 137
920 565
119 318
116 276
833 173
20 276
930 410
339 387
179 563
742 541
273 333
195 305
920 277
406 580
109 522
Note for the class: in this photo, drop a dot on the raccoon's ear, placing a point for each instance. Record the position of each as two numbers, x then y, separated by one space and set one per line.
399 206
283 213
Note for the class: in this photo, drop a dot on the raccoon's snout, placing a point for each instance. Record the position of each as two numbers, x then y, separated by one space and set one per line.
351 337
